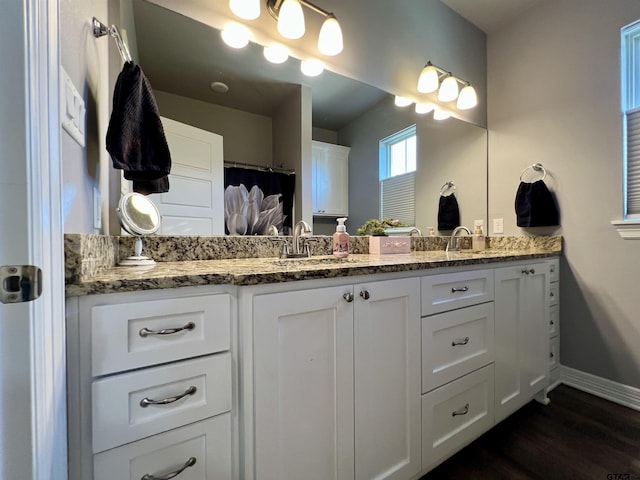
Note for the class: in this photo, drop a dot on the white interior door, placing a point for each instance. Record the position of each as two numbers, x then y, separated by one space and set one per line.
194 204
32 354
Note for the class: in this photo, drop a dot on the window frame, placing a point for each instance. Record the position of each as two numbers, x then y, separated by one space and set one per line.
385 150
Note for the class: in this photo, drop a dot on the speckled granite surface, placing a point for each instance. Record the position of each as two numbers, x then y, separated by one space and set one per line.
190 261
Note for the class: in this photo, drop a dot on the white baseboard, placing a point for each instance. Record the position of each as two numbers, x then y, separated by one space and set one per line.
601 387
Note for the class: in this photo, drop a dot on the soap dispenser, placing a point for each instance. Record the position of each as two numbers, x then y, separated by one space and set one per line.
478 241
341 240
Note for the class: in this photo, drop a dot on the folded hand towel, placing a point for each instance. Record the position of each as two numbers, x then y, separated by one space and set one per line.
535 205
135 137
448 213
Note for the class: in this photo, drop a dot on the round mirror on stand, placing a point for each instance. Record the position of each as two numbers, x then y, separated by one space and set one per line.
138 216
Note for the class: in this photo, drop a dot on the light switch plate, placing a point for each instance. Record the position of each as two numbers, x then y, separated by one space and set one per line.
498 225
72 111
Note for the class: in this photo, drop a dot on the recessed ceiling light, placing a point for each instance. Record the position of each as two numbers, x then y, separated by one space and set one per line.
219 87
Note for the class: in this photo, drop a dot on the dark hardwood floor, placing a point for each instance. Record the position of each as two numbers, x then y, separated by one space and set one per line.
577 436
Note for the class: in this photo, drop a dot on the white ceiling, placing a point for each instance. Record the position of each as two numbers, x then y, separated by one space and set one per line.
490 15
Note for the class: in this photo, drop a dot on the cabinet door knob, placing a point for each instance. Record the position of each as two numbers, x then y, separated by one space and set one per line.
189 463
348 297
530 271
365 294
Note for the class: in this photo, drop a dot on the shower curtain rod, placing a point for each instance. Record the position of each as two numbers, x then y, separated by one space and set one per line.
263 168
100 29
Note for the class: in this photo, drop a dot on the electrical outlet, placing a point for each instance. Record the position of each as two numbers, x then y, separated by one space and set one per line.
498 226
97 209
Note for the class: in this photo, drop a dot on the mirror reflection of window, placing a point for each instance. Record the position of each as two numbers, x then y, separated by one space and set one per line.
397 176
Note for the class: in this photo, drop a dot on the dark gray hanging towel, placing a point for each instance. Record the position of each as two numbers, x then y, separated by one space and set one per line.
448 213
536 206
135 137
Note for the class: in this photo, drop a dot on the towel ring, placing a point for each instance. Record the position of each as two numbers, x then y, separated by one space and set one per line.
537 167
448 185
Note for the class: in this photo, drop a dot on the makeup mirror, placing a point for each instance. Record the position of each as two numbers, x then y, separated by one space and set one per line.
138 216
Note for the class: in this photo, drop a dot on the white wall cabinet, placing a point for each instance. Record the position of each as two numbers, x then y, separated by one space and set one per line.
330 179
521 335
336 378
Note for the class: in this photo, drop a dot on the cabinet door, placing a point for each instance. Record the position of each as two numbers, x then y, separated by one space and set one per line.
521 335
387 379
330 167
303 385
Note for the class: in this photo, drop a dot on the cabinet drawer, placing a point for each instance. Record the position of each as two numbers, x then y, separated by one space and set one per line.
119 416
119 341
554 294
554 270
456 343
554 320
554 352
456 414
208 442
455 290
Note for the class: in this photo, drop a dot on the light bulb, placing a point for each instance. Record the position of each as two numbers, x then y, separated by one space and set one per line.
424 107
330 38
235 35
468 98
312 67
402 101
428 80
247 9
276 53
439 114
291 19
448 90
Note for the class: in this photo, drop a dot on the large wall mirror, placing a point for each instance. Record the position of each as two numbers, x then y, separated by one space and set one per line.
183 57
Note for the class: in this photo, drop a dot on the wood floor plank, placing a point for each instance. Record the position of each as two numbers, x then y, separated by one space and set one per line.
577 436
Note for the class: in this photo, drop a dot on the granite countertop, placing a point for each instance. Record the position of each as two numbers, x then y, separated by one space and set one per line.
264 270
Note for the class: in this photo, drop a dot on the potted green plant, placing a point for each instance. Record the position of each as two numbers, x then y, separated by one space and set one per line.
375 226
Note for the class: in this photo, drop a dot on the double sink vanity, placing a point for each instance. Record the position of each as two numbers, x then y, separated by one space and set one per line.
225 362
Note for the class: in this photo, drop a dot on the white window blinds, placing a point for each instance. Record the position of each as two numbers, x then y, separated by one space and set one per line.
633 162
398 198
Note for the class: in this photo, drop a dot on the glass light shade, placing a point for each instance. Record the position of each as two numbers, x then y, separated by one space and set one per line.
468 98
448 90
312 68
276 53
428 80
424 107
291 19
247 9
235 35
330 38
439 114
402 101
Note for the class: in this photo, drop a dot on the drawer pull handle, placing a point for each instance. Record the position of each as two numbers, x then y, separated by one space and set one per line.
166 331
189 463
348 297
365 294
464 341
461 411
461 289
145 402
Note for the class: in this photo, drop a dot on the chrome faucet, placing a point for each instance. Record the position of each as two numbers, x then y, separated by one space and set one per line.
453 245
415 230
300 229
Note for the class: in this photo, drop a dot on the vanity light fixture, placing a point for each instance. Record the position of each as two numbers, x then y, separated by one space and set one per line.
402 101
423 108
312 67
290 19
276 53
246 9
439 114
434 78
235 35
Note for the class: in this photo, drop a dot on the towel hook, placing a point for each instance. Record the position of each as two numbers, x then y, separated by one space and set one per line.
536 167
447 185
100 30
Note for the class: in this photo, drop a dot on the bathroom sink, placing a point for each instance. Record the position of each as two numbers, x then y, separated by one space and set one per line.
311 261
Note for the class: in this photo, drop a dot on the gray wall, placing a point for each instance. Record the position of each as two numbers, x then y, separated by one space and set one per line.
554 91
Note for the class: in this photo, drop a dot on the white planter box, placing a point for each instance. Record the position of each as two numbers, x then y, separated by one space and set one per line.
385 245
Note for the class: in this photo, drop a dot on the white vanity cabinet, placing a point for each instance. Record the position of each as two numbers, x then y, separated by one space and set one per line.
457 361
521 335
330 179
150 384
336 382
554 322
